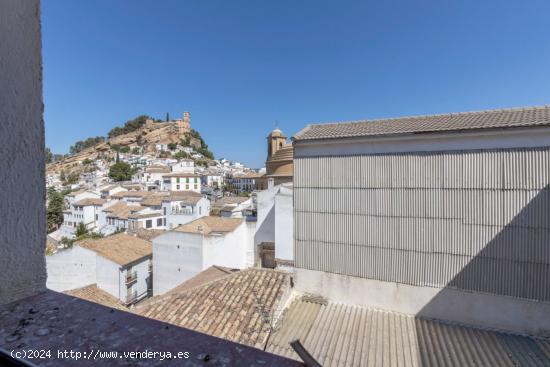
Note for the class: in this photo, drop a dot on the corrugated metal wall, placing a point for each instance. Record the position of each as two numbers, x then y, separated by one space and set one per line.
474 220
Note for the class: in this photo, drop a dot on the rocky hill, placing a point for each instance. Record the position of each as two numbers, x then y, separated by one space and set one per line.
144 138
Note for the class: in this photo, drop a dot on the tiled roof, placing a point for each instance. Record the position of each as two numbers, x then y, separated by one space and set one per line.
505 118
343 335
122 210
210 224
232 200
148 234
86 202
212 273
123 194
228 307
286 153
120 248
145 215
93 294
181 174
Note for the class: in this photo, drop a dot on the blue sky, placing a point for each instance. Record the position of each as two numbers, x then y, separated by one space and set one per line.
239 66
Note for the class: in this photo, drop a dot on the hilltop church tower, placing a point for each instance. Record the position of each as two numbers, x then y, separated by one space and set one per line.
184 125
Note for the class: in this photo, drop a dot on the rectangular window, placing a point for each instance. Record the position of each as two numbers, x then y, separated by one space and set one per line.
200 210
196 187
148 223
178 180
164 210
187 187
159 222
177 187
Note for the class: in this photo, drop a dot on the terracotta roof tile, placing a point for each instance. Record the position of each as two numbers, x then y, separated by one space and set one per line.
86 202
120 248
210 224
229 307
505 118
93 294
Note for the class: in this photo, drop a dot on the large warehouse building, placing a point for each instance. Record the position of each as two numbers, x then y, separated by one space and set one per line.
442 216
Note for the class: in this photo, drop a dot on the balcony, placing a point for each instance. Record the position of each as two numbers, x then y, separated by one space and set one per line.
131 298
131 278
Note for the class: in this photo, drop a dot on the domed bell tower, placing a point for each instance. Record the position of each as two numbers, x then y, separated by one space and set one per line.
275 141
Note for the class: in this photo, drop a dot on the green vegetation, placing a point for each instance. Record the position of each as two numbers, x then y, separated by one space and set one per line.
81 145
181 155
167 117
120 148
172 146
129 126
86 161
49 155
54 211
69 179
136 150
121 171
81 230
84 234
204 147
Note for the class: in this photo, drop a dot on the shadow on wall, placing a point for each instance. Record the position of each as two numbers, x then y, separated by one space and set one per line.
515 263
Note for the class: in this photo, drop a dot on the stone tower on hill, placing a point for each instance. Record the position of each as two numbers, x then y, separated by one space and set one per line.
183 126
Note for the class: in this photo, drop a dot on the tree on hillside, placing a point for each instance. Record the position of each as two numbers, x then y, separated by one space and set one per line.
121 171
84 144
172 146
181 155
129 126
167 117
49 155
81 230
54 212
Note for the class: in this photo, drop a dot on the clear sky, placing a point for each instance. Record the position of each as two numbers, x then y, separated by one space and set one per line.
239 66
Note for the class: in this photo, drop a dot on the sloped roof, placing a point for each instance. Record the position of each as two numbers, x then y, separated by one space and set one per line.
122 210
227 200
226 307
344 335
120 248
93 294
86 202
148 234
210 224
490 119
286 153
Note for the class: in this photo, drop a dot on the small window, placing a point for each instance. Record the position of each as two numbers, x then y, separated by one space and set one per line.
159 222
187 187
164 210
148 223
196 187
177 187
187 179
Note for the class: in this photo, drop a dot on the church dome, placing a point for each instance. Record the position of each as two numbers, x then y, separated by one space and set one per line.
276 133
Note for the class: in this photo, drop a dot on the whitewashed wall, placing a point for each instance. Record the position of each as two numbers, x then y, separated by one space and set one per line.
71 268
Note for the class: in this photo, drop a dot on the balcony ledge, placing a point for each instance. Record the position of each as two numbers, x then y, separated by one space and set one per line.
55 321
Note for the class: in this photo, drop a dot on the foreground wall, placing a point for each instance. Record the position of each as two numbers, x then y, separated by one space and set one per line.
467 221
22 223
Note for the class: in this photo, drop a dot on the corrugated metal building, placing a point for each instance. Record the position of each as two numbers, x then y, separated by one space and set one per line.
456 208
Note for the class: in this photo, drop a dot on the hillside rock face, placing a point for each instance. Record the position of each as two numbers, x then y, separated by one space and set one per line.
146 137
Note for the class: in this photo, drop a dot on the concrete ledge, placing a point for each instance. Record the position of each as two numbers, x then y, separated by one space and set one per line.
447 304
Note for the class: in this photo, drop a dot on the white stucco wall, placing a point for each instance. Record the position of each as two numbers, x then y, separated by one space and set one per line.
109 277
177 257
284 224
233 250
71 268
23 219
265 223
142 271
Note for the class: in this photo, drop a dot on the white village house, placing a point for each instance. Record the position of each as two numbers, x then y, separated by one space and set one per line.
119 264
185 251
181 182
